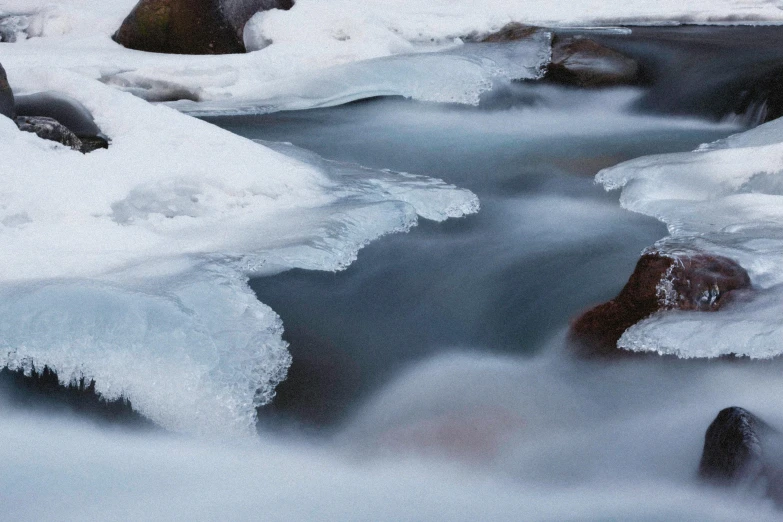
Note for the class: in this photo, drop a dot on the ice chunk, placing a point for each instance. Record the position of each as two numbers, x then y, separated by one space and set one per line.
129 265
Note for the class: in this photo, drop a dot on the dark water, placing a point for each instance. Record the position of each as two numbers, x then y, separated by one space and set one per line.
546 244
708 71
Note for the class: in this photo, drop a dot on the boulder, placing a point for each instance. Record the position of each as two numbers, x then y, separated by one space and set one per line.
732 447
699 282
509 33
582 62
68 112
741 450
6 96
191 26
49 129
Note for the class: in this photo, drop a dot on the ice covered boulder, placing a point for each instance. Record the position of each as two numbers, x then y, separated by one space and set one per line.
741 450
191 26
698 282
49 129
6 96
67 111
585 63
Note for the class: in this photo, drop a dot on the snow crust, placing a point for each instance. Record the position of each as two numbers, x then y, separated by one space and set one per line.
725 198
129 265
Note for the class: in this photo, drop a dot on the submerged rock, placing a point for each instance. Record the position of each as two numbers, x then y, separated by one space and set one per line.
67 111
49 129
741 450
6 96
582 62
687 282
191 26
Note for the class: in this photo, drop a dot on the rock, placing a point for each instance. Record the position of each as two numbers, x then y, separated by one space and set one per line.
687 282
582 62
509 33
6 96
68 112
741 450
191 26
732 447
49 129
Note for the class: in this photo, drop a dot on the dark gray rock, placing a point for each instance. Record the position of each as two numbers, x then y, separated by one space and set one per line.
49 129
68 112
6 96
733 447
191 26
582 62
743 451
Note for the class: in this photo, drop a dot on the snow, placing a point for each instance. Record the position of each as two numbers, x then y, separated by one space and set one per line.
298 49
725 198
129 265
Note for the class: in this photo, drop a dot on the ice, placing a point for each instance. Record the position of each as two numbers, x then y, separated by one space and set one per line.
458 75
724 198
129 265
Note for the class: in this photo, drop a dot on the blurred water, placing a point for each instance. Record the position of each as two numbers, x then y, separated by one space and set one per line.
547 243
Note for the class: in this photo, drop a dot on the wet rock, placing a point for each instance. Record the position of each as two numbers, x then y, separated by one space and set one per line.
6 96
68 112
732 447
699 282
582 62
741 450
49 129
191 26
508 33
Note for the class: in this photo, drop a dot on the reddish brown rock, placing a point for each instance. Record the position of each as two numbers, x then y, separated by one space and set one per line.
191 26
582 62
509 33
696 282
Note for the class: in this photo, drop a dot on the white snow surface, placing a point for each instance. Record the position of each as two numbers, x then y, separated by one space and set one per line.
297 49
129 265
725 198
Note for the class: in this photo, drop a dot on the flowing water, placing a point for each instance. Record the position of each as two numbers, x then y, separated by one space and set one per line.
546 244
434 369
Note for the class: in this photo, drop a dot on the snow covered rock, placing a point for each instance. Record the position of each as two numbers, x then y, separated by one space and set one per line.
191 26
6 96
585 63
698 282
49 129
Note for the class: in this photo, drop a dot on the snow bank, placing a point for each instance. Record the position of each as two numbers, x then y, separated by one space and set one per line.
297 48
128 265
725 198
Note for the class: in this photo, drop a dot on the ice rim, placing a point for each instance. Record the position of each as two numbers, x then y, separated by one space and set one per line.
725 198
129 266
